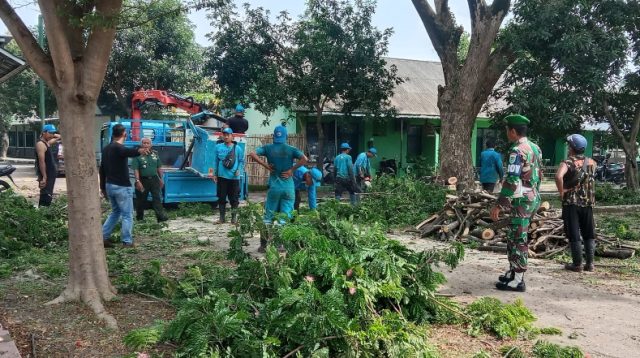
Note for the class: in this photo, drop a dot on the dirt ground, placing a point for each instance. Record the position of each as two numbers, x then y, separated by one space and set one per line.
595 311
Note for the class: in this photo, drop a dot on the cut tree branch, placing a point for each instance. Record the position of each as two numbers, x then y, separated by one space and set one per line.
37 59
58 43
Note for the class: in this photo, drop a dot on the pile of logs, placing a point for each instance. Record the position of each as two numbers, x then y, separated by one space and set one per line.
466 218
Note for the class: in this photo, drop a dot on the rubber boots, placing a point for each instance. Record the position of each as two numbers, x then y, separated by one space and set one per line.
516 284
234 215
576 255
589 252
223 212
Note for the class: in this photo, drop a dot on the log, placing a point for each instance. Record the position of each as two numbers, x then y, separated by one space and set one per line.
488 234
544 206
617 253
447 228
430 219
450 213
498 249
452 181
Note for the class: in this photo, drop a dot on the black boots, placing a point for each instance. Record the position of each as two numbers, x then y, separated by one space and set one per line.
508 276
515 284
223 212
589 252
576 255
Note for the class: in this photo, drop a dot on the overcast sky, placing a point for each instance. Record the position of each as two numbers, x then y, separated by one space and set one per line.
409 39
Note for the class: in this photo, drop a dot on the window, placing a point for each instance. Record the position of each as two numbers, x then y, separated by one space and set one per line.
414 142
29 139
20 134
13 138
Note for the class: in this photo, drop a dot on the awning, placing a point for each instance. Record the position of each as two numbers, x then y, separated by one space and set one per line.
10 65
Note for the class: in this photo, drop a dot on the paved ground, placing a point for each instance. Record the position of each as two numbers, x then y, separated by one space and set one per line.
8 348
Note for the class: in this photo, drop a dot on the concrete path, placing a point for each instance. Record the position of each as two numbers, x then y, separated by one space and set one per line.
8 348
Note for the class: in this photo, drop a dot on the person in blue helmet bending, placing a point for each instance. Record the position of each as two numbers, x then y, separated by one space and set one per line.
280 163
307 179
362 168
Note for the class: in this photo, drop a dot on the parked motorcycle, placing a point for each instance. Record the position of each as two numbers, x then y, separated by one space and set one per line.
6 170
389 167
610 172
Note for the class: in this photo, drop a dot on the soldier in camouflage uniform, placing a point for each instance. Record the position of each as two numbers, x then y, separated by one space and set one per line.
521 196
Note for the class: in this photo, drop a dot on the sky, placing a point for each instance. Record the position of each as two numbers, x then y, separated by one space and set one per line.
409 39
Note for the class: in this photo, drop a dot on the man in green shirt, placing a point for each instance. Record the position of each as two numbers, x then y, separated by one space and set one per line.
148 172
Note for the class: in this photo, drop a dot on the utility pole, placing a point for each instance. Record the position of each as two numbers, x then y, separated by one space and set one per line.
40 81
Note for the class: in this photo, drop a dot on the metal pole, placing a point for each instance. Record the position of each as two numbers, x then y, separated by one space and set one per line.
40 81
401 143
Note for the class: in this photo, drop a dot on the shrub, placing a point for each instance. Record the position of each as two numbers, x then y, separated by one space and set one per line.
23 226
608 195
502 319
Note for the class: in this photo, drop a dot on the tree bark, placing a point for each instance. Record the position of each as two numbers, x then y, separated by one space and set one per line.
4 143
321 138
88 279
631 166
628 145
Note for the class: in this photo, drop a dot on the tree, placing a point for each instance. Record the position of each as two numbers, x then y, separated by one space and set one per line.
330 56
80 36
468 81
19 98
156 49
578 62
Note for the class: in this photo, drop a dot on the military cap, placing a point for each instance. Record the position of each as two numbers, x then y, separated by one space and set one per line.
516 119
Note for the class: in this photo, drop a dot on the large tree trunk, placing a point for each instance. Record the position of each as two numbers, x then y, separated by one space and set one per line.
4 144
456 131
631 166
88 279
321 138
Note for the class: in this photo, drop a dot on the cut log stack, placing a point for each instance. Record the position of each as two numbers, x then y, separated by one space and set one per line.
466 218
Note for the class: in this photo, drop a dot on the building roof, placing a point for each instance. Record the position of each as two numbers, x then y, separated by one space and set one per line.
10 65
418 94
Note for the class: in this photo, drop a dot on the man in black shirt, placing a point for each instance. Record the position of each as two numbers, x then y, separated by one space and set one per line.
116 186
45 164
238 123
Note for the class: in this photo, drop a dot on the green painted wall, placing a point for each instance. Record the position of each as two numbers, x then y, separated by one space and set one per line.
560 151
256 120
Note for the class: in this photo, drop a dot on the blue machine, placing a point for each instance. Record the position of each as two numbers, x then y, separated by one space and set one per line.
176 141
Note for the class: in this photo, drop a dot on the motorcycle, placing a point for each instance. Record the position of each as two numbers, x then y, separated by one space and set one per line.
6 170
610 172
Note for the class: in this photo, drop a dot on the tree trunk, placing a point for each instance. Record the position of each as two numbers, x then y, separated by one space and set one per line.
4 144
321 137
631 166
88 279
455 158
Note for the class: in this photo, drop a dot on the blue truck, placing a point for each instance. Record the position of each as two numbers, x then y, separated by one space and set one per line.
186 152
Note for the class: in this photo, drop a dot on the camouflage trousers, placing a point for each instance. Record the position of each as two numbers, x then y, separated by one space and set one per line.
517 246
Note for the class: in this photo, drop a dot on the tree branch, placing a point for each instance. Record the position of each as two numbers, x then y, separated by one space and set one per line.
98 48
58 44
37 59
612 121
636 125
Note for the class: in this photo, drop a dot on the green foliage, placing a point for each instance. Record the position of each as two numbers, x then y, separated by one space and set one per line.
551 331
293 63
338 288
511 320
608 195
625 227
544 349
22 226
511 352
396 201
143 338
150 281
482 354
188 210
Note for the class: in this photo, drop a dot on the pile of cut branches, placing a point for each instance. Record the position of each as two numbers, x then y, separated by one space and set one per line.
465 217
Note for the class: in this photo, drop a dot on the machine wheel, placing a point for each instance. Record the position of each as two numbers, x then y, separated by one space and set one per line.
4 186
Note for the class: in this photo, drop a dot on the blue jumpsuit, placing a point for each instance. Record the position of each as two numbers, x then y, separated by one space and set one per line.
298 179
281 194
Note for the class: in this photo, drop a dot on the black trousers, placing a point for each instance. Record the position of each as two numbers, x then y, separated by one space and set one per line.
579 220
343 185
228 188
46 193
489 187
150 185
296 203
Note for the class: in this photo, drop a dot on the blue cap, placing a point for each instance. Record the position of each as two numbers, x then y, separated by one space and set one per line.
373 151
316 174
227 130
49 128
577 141
345 145
280 134
239 108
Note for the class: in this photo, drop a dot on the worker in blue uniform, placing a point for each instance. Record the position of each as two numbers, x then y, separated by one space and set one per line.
344 177
307 180
280 163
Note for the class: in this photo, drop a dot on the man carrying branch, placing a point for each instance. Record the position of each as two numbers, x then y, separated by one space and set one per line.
521 195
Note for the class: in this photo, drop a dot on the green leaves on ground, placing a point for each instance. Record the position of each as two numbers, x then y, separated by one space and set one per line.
338 288
544 349
609 196
504 320
23 226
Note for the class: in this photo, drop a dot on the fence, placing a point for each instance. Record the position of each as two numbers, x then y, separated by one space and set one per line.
257 174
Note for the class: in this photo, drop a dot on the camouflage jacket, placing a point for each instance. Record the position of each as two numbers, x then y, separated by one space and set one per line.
582 194
524 172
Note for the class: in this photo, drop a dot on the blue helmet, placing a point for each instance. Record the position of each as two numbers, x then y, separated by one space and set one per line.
239 108
345 145
316 174
577 141
50 128
373 151
280 134
227 130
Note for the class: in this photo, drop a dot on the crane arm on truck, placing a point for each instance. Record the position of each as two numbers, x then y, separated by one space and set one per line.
166 99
